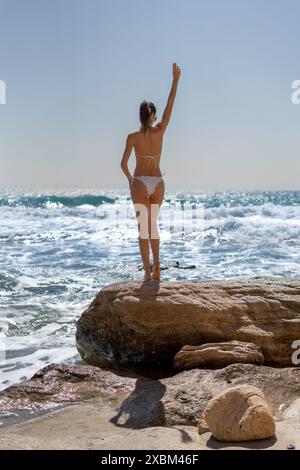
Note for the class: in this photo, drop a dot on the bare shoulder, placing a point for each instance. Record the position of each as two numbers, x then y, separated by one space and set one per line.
131 138
132 135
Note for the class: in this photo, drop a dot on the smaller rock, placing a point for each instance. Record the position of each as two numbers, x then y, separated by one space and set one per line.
290 446
240 413
217 355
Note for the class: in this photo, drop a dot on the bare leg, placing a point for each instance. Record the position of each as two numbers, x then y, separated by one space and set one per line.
145 253
155 250
154 235
142 207
156 201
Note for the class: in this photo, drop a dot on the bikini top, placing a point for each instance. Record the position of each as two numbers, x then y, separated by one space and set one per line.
151 157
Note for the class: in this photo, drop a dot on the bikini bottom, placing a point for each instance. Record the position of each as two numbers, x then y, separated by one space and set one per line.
150 182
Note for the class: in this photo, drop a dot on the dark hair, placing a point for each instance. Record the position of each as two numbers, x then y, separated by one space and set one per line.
146 109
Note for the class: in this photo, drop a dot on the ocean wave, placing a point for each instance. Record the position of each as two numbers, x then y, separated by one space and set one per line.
56 201
211 200
236 198
267 210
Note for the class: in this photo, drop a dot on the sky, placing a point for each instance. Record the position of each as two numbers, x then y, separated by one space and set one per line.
76 72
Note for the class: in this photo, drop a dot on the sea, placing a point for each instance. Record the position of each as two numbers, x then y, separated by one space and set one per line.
58 249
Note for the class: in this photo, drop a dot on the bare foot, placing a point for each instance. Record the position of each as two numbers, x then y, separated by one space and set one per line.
147 276
156 272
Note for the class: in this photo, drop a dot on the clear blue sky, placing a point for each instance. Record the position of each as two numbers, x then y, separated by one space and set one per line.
77 70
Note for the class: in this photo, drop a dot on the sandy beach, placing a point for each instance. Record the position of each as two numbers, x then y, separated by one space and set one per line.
87 426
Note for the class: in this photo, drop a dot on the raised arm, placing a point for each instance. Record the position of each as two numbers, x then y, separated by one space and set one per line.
168 109
126 155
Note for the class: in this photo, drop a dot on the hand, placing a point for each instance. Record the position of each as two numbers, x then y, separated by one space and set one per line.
176 71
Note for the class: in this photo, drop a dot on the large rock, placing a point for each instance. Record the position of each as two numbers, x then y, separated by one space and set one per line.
217 354
238 414
131 323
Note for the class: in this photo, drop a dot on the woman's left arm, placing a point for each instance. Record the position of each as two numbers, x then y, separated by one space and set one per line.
126 155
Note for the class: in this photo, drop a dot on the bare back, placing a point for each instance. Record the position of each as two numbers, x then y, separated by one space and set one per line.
149 143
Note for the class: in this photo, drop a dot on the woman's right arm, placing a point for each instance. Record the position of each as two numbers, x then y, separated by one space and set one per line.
168 110
125 158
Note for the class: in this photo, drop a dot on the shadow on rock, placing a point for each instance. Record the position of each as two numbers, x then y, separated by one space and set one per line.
143 408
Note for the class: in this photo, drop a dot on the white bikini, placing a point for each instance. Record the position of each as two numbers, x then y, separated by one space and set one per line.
150 181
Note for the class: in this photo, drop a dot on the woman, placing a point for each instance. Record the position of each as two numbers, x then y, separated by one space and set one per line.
147 185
